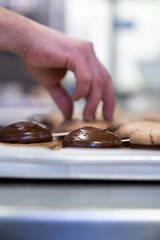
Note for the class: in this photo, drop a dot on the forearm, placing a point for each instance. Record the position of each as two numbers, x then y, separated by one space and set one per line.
13 31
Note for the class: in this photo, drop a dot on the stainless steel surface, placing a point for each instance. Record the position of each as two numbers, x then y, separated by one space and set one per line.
79 211
70 163
60 134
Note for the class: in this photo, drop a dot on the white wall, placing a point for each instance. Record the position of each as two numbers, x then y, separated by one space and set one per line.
92 20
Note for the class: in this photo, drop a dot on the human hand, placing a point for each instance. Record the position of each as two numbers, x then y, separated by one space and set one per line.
48 55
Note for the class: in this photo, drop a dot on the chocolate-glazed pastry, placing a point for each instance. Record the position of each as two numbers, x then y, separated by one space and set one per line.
25 132
92 137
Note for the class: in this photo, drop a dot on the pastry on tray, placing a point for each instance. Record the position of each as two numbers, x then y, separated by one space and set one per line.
27 133
125 130
141 133
146 135
92 137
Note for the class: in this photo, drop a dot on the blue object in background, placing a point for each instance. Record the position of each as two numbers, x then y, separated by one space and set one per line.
123 25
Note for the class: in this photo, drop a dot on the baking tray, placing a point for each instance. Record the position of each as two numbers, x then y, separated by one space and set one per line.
71 163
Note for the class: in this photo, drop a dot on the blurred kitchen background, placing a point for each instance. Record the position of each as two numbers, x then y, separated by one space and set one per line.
126 37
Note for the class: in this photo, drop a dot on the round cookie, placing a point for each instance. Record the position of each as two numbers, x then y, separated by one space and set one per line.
146 135
125 130
27 133
71 125
91 137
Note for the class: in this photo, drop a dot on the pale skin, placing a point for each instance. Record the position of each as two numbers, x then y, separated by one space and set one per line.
48 54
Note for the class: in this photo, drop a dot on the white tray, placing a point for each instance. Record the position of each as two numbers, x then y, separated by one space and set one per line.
70 163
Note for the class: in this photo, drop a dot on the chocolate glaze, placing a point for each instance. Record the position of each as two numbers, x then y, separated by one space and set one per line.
91 137
25 132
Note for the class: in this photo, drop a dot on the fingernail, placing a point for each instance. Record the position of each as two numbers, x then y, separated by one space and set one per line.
88 118
109 117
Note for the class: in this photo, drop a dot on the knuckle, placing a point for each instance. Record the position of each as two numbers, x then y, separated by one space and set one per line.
100 82
89 45
87 78
84 46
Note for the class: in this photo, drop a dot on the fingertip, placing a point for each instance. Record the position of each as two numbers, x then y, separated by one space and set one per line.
88 115
108 116
62 100
66 109
67 113
82 88
108 110
108 100
88 118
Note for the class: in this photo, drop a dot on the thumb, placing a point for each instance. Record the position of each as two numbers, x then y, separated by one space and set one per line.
62 99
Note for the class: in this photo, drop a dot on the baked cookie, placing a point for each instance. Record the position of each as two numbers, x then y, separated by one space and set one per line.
146 135
27 133
125 130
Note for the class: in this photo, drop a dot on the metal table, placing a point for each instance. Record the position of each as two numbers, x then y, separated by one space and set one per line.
80 210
